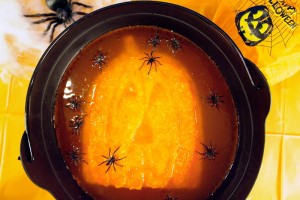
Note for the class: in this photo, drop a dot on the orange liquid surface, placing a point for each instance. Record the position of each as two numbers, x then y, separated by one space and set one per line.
159 118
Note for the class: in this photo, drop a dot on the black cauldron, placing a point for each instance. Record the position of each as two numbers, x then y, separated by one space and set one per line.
40 155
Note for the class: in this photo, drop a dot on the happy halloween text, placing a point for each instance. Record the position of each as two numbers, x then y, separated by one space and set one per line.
285 11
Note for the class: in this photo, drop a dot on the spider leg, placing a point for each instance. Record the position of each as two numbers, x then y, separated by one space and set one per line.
114 165
217 106
78 13
204 145
120 159
118 164
108 168
45 20
203 155
155 66
116 150
109 152
214 148
105 157
85 162
144 58
150 68
41 15
211 91
49 26
75 162
81 4
200 153
142 64
53 29
102 162
158 61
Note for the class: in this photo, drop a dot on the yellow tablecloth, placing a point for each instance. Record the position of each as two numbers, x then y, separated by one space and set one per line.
21 45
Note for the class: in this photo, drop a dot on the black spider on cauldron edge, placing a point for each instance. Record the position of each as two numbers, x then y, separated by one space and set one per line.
209 152
154 41
76 123
174 44
100 59
214 99
75 156
74 103
63 14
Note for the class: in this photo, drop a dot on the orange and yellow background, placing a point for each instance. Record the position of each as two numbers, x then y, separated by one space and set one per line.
22 44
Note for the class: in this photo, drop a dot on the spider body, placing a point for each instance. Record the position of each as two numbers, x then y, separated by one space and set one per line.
112 160
214 99
209 152
74 103
100 59
174 44
75 156
76 123
63 14
154 41
150 60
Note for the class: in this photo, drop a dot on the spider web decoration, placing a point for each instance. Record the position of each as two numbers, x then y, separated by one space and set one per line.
282 32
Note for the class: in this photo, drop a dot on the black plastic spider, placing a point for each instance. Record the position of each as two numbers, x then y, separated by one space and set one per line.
209 153
111 160
63 14
74 103
175 45
170 197
76 123
214 99
100 59
155 40
150 59
75 156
